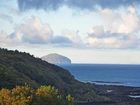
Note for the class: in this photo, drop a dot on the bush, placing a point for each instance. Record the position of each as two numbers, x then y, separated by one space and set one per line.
48 95
70 100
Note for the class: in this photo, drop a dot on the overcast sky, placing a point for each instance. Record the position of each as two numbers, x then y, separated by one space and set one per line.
86 31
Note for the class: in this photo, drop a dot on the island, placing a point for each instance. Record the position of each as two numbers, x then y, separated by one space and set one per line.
57 59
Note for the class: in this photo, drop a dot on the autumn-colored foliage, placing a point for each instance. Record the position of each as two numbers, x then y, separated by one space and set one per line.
25 95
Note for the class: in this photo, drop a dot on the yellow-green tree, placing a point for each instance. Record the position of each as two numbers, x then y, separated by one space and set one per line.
25 95
48 95
70 100
5 97
22 95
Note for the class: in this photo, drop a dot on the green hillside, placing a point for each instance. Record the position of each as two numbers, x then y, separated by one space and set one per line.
20 68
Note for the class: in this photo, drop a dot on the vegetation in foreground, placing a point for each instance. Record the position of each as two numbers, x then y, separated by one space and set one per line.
25 95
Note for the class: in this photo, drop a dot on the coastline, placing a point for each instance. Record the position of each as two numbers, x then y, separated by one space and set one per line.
107 74
119 95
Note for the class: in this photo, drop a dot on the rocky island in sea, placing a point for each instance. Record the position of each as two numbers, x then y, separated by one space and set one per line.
57 59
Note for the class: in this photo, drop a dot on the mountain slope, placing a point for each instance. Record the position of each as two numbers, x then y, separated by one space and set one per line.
18 68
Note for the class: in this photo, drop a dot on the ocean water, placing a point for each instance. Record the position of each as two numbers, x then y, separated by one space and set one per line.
106 74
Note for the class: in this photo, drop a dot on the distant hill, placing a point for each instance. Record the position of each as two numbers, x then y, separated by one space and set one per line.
18 68
56 59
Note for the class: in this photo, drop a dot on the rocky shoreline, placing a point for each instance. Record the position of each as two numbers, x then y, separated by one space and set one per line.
119 95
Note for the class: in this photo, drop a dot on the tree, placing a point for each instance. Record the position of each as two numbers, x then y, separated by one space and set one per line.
70 100
5 97
22 95
48 95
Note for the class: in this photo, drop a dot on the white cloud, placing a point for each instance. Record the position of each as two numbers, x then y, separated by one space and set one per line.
99 38
97 31
121 22
119 29
33 31
6 17
5 39
74 37
130 22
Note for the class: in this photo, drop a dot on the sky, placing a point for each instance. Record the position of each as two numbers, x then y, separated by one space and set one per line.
86 31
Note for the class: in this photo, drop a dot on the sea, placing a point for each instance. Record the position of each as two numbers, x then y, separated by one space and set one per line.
106 74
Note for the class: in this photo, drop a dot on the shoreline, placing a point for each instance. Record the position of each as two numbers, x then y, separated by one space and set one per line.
119 84
119 95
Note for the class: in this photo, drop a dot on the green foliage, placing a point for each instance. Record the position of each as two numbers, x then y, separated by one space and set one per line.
24 95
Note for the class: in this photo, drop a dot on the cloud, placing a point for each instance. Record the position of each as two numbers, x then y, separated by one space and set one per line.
33 31
81 4
6 17
3 37
61 40
74 37
128 22
116 31
14 11
5 40
99 38
91 4
119 30
97 31
39 4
